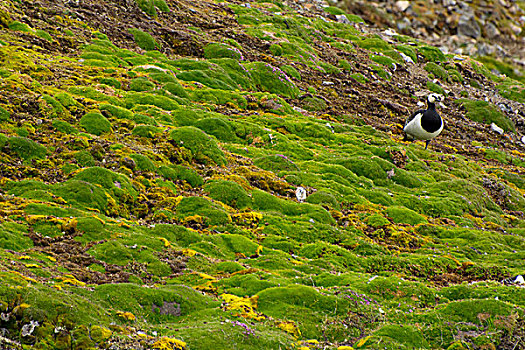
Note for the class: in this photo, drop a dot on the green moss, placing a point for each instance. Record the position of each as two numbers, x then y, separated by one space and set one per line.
176 89
213 214
272 79
140 98
141 84
406 336
383 60
4 114
19 26
275 163
147 131
407 50
360 78
432 54
228 267
376 220
484 112
403 215
229 193
26 149
180 172
84 159
218 127
144 40
435 88
161 5
374 44
266 202
64 127
438 71
14 237
114 183
203 148
95 123
276 49
363 166
44 35
324 198
218 50
291 71
314 104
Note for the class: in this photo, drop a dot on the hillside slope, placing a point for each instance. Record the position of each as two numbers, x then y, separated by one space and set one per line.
150 157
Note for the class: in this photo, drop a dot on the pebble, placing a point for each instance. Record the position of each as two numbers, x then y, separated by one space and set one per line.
328 83
496 129
407 59
402 5
342 19
300 194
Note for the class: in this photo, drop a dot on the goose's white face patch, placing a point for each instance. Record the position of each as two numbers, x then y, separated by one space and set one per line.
432 98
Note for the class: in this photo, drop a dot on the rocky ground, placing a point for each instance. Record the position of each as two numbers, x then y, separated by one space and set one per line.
151 152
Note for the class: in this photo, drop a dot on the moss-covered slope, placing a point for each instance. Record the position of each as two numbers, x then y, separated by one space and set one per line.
150 154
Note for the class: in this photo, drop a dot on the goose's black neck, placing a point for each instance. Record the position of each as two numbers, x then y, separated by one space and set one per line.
431 106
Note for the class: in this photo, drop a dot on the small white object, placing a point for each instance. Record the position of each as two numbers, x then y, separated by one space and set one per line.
390 32
330 127
381 311
328 83
402 5
29 328
300 193
391 173
312 221
150 66
372 278
523 139
342 19
496 129
407 58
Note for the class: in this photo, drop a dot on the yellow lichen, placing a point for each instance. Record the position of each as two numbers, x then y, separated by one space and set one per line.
362 342
72 280
246 306
166 343
165 241
188 252
290 327
126 315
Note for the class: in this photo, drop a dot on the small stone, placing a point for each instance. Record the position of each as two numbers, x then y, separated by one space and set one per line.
29 328
467 26
406 58
523 140
496 129
402 5
342 19
491 30
328 83
300 194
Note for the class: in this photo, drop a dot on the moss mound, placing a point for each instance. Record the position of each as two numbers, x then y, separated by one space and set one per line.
203 148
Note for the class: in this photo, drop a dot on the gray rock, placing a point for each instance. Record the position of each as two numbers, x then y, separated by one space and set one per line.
406 58
467 26
402 5
497 129
342 19
491 30
404 24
